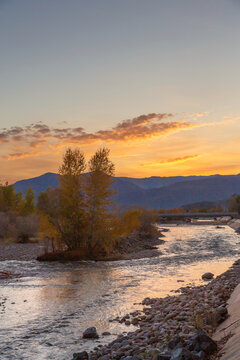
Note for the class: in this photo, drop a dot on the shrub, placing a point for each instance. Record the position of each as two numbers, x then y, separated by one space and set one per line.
18 227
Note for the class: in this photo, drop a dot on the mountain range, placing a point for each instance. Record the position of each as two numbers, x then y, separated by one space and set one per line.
155 192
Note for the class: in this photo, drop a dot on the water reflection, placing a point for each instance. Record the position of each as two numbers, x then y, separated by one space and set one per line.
47 310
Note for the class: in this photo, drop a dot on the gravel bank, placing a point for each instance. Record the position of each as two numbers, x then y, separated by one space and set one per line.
22 252
166 324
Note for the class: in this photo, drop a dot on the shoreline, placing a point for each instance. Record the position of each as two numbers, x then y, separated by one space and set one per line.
178 317
136 246
131 248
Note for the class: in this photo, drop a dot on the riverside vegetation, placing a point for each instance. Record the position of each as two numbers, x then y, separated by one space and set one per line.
78 219
80 215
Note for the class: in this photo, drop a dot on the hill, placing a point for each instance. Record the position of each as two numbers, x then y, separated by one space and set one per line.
155 192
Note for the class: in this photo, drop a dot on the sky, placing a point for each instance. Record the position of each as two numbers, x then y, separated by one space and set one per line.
155 81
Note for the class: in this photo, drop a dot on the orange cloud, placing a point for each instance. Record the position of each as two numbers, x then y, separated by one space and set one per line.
33 149
172 160
140 128
21 155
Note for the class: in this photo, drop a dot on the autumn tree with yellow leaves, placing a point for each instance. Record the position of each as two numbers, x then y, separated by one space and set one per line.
99 192
79 209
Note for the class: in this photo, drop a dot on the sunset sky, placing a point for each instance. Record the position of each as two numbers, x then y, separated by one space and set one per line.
156 81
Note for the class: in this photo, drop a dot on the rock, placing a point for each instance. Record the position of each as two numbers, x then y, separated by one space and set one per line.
90 333
207 276
174 342
135 321
170 316
222 310
183 354
80 356
203 342
201 355
164 356
221 314
106 333
105 357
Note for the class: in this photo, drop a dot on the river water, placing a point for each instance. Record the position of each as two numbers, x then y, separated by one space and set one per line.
43 314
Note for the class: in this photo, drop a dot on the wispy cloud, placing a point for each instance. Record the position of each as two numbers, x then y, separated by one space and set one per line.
156 162
21 155
24 141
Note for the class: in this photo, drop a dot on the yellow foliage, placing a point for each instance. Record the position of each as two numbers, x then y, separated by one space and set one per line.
131 220
47 228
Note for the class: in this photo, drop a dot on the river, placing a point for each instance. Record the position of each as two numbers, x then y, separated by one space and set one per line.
43 313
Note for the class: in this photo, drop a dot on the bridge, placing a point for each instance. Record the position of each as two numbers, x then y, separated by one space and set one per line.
200 215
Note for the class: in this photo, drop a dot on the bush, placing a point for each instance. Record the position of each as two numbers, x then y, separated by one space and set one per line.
27 227
148 220
20 228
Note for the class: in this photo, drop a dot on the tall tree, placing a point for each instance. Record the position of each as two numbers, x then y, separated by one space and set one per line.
99 192
9 199
72 198
28 202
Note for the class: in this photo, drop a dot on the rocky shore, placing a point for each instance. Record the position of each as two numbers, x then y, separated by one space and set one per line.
140 246
175 327
135 246
132 247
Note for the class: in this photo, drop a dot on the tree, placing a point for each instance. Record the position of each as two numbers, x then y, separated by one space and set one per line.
78 211
63 208
28 205
48 207
72 198
99 193
131 220
9 199
234 203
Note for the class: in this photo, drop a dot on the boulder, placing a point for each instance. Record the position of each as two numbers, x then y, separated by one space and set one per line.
203 342
207 276
90 333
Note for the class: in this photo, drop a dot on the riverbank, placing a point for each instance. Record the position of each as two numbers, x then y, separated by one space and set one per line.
135 246
21 252
81 295
132 247
235 224
162 319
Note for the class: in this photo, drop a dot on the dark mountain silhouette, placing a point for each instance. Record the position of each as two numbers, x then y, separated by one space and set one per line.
207 205
39 183
157 181
155 192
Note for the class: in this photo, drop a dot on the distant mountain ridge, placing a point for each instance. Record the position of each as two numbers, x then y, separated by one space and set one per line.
155 192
